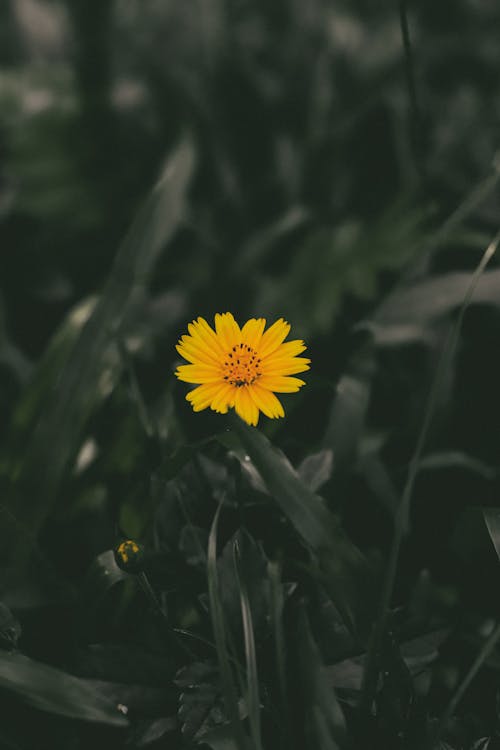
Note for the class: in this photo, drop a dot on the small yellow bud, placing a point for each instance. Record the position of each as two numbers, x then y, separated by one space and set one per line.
129 556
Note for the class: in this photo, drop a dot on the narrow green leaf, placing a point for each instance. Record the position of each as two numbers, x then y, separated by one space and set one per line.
70 402
401 521
346 573
486 649
57 692
348 413
492 520
316 469
102 574
253 693
422 303
221 738
217 616
457 460
323 740
277 604
323 716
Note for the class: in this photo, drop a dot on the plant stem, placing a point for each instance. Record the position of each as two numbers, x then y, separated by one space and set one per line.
416 119
474 668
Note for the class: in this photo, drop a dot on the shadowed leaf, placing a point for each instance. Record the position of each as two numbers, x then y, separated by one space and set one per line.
324 720
492 520
57 692
348 413
343 564
410 310
81 380
316 469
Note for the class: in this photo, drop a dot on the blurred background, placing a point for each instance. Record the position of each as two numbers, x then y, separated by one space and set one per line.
315 152
322 155
314 167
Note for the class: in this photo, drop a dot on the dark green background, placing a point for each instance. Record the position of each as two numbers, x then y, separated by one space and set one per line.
312 167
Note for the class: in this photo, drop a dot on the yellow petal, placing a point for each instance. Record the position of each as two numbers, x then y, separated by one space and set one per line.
202 396
224 399
281 384
228 330
266 401
273 337
251 333
245 406
288 366
206 335
194 351
289 349
198 374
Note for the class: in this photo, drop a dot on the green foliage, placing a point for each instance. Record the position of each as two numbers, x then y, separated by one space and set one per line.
331 263
304 166
49 689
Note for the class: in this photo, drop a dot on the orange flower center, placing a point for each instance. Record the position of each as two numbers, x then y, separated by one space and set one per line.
242 366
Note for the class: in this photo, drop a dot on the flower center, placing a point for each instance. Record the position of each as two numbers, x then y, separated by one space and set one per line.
242 366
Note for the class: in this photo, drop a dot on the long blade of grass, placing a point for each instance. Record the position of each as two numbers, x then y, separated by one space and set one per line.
253 693
474 668
217 616
492 520
56 436
277 606
424 250
323 714
416 120
346 571
57 692
371 673
472 200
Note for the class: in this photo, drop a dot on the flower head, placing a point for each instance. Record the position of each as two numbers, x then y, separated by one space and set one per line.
240 367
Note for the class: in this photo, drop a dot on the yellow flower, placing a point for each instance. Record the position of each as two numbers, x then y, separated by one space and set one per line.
240 367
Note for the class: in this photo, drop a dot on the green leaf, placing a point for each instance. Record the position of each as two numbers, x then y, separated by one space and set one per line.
253 693
346 259
199 701
277 604
69 405
102 575
219 627
193 544
57 692
125 663
10 629
323 718
316 469
252 566
457 460
343 565
221 738
413 308
347 417
492 520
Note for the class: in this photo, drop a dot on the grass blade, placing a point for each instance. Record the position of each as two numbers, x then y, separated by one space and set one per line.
57 692
70 402
253 694
229 692
277 606
474 668
416 120
371 673
492 520
346 574
323 717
